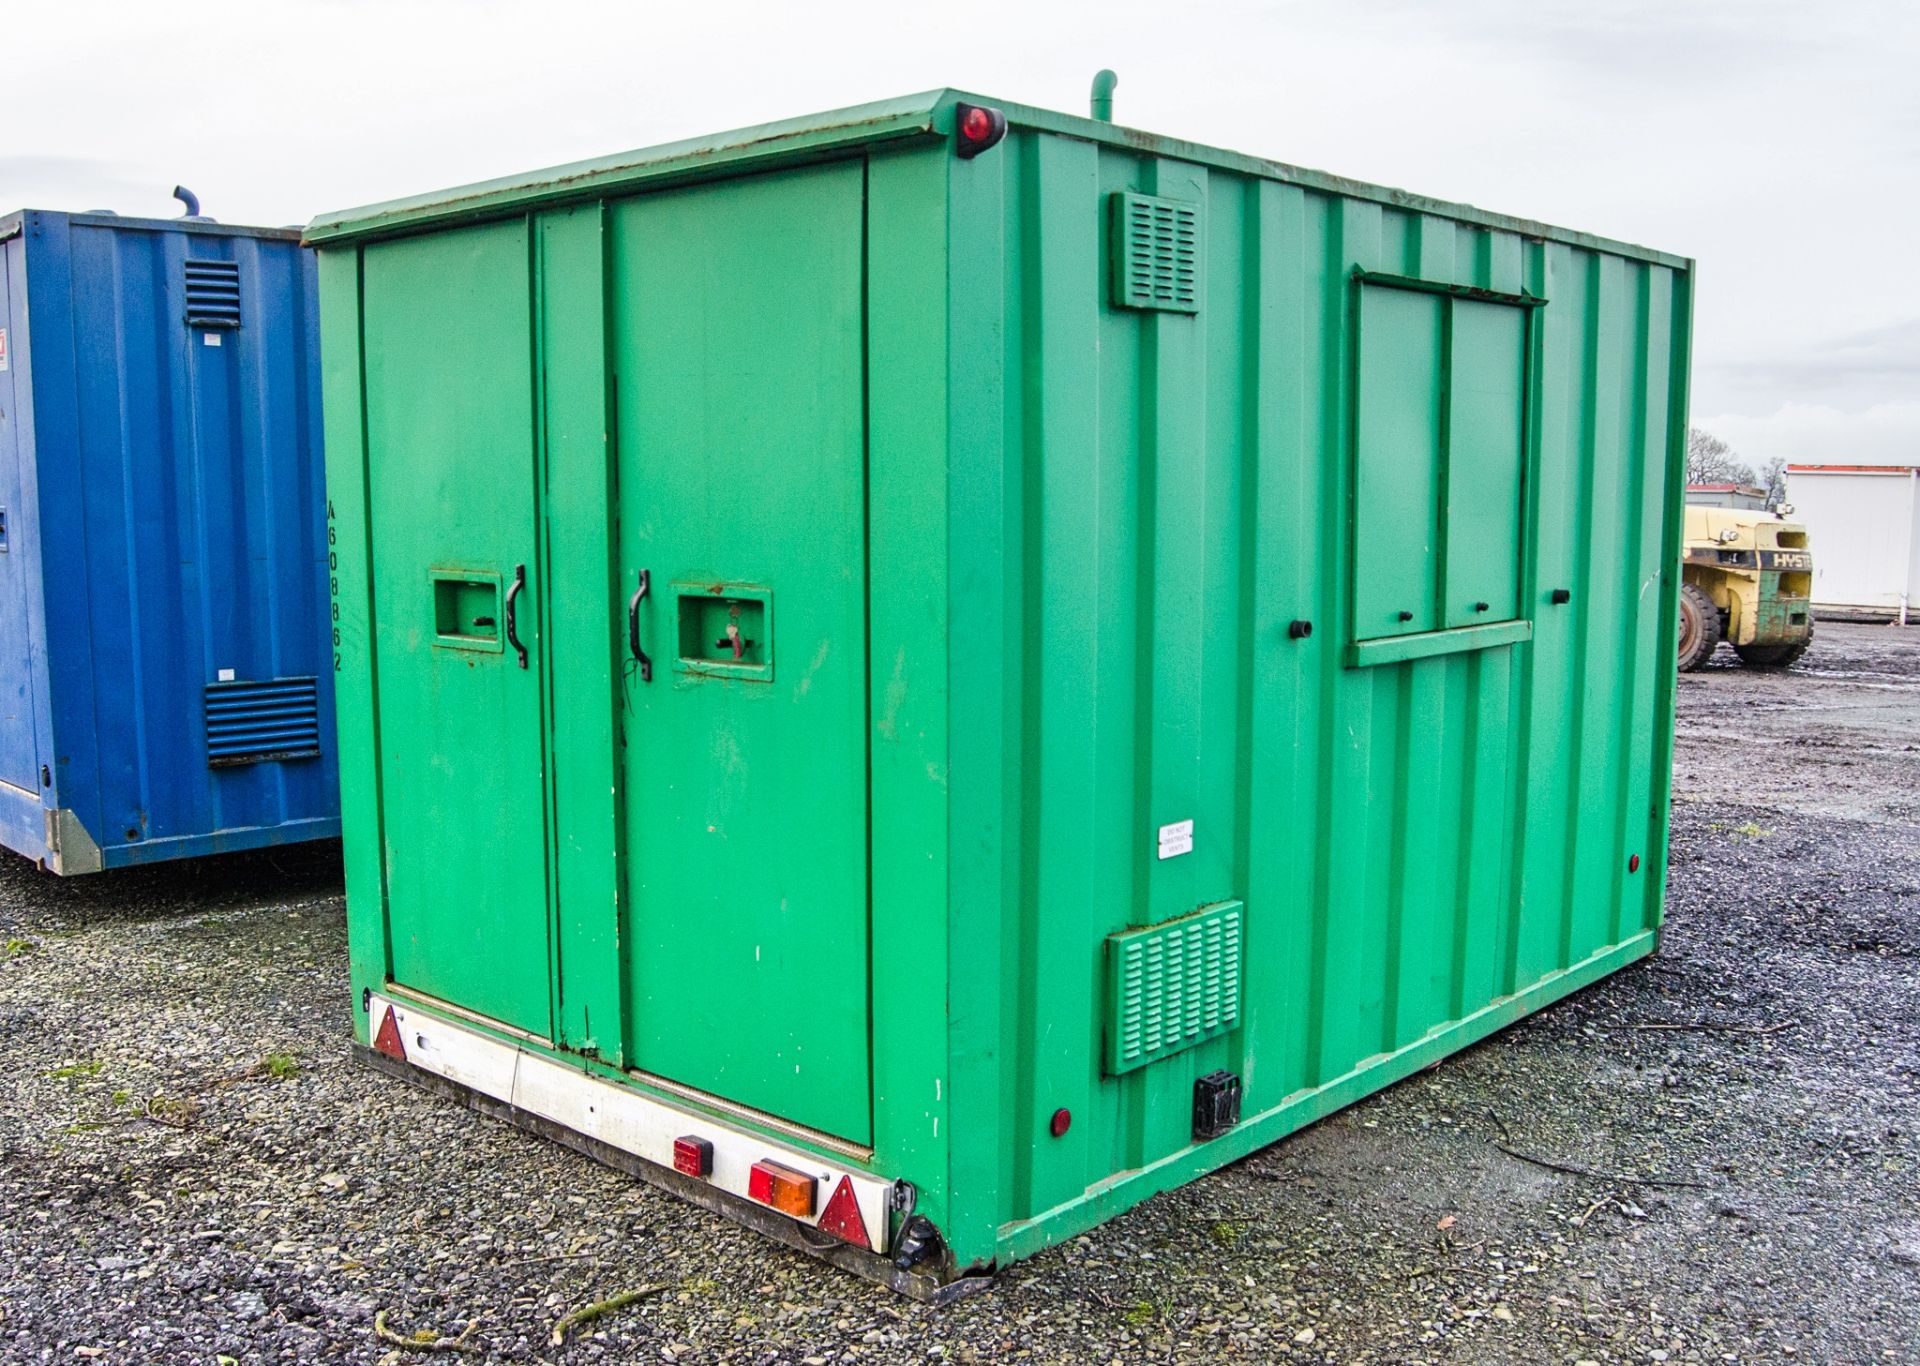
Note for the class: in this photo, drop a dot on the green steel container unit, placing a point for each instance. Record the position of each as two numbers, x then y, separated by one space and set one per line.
924 674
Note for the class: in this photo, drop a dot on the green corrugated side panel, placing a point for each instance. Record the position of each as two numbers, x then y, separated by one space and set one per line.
1089 529
1426 847
1172 986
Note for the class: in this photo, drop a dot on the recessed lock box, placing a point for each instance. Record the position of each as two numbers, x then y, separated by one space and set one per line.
725 629
1216 1105
466 609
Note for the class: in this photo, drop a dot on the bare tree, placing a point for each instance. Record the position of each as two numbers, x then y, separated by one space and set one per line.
1712 461
1773 477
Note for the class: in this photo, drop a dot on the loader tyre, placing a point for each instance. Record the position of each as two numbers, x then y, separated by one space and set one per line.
1775 656
1699 627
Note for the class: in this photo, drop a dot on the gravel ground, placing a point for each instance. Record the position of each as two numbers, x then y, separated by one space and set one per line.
192 1170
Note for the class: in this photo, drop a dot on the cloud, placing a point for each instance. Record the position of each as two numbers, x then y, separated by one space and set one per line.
1698 46
1808 434
1855 370
67 182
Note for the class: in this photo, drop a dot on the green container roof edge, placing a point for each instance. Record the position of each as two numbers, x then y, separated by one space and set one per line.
817 135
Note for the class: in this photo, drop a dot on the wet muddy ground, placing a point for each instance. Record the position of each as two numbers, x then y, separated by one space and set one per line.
192 1170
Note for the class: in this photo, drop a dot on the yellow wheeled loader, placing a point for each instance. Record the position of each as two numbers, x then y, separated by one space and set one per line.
1746 579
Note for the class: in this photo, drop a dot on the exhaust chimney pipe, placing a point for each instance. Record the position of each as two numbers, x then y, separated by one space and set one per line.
189 198
1102 101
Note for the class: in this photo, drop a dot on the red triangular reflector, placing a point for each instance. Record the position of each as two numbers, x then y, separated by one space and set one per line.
842 1216
388 1039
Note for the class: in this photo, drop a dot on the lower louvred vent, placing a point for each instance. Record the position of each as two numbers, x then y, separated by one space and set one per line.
250 723
1173 985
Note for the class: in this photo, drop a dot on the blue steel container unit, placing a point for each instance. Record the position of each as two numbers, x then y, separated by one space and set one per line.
166 680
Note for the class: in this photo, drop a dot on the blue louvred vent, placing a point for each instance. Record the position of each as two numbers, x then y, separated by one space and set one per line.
248 723
213 294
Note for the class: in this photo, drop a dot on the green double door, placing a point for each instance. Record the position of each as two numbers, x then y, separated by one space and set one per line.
735 380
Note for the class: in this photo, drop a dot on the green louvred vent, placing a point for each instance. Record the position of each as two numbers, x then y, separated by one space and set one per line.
1156 253
1173 985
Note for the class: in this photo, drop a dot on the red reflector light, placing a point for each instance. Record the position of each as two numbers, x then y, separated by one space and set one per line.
842 1217
977 128
1633 864
782 1188
1062 1121
388 1039
693 1156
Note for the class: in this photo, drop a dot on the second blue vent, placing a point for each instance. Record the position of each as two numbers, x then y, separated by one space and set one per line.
248 723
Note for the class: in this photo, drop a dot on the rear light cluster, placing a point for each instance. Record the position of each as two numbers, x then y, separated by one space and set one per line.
780 1187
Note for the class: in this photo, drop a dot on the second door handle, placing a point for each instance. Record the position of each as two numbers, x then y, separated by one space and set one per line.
633 626
512 626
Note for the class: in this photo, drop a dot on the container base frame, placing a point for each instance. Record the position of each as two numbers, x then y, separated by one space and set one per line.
871 1266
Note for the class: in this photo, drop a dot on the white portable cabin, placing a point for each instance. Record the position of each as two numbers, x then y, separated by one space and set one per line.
1864 524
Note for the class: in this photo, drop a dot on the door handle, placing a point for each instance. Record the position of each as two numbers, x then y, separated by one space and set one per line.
633 626
513 593
733 640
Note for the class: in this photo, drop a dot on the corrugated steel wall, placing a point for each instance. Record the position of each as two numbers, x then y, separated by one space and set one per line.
1412 840
180 504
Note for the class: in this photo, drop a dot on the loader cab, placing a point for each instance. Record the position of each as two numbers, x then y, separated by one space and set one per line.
1746 580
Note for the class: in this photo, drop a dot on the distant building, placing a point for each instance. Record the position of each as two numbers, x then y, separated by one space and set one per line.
1747 496
1864 523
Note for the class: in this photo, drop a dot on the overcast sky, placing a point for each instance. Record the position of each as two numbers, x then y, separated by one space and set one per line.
1775 140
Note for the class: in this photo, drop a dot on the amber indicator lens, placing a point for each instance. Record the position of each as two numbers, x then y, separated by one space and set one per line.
782 1188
